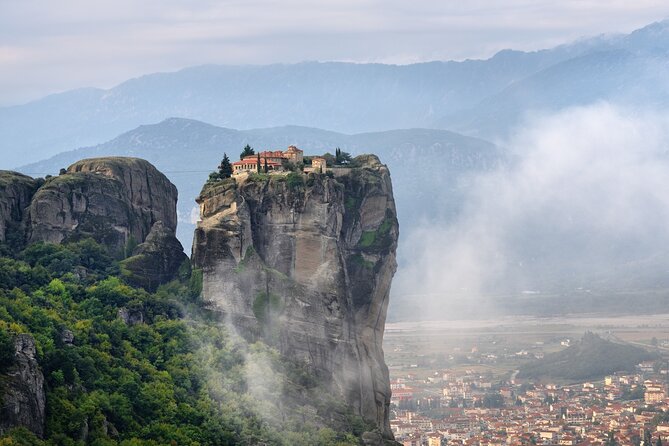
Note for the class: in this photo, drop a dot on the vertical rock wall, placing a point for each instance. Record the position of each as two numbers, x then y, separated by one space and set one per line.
306 263
113 200
23 398
16 192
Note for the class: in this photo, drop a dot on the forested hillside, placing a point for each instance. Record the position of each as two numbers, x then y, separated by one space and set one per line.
123 366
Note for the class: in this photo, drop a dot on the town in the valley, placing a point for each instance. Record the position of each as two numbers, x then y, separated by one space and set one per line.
454 387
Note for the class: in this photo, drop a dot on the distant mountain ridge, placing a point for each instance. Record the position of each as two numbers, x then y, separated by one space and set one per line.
479 97
424 163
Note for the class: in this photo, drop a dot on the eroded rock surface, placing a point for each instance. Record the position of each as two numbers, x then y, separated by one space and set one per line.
112 200
125 204
16 192
306 263
155 261
22 391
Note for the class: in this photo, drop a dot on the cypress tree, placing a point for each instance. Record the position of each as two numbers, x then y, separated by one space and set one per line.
259 171
225 169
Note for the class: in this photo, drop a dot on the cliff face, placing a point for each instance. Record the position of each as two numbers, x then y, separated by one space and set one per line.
156 260
124 203
22 391
113 200
16 191
306 263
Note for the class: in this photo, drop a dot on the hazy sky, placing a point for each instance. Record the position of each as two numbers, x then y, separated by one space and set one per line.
48 46
584 204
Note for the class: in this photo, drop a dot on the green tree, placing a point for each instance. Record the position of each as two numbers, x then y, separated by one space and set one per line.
247 151
258 164
266 168
342 157
225 168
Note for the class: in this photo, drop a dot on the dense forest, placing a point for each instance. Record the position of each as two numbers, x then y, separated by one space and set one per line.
123 366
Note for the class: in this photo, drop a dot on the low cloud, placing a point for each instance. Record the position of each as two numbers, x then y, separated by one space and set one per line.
583 203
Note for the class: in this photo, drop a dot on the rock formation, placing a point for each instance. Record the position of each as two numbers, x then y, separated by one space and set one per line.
23 398
306 261
116 201
124 203
113 200
16 191
155 261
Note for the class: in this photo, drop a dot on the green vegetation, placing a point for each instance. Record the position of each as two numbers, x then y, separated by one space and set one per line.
264 305
294 180
130 246
380 238
247 151
158 379
250 252
358 259
592 357
224 170
367 239
71 179
341 157
258 177
195 283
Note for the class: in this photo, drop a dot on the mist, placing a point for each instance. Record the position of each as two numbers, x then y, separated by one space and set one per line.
581 207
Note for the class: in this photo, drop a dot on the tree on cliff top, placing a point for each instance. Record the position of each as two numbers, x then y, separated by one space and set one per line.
247 151
225 168
342 157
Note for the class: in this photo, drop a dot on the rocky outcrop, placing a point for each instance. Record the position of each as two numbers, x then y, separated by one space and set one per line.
151 193
113 200
119 202
306 261
155 261
16 191
22 394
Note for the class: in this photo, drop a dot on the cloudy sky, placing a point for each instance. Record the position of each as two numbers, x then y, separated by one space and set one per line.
48 46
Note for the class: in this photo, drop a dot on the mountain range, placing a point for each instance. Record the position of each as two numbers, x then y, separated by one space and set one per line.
485 98
426 165
431 123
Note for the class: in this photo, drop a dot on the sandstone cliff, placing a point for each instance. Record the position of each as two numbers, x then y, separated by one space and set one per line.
124 203
119 202
113 200
22 389
156 260
306 263
16 191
